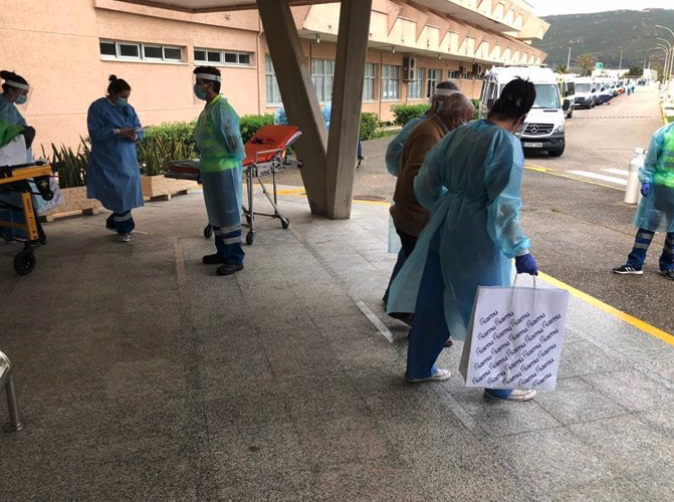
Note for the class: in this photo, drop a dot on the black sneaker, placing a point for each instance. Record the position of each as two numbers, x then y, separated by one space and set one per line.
669 274
626 270
229 269
213 259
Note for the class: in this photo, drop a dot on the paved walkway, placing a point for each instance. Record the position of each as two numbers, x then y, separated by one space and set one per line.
145 377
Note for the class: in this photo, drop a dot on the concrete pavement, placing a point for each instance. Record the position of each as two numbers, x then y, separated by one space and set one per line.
145 377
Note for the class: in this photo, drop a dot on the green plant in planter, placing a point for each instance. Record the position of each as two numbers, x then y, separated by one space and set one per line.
156 151
72 164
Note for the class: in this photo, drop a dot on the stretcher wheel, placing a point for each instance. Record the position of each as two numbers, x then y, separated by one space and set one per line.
285 223
24 262
250 238
208 232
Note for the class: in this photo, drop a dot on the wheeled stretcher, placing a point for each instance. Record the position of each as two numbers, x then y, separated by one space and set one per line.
265 156
16 179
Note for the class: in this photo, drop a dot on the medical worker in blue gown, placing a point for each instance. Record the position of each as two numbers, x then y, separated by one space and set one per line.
394 153
221 152
656 209
113 174
471 183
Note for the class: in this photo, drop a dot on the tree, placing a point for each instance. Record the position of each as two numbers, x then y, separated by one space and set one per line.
561 68
635 72
586 62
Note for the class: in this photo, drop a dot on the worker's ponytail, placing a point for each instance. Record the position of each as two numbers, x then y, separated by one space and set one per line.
517 99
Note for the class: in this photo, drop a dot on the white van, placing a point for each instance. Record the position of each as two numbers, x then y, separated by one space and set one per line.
567 88
586 93
544 128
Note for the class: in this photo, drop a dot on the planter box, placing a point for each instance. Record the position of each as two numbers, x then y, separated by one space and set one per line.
76 202
161 188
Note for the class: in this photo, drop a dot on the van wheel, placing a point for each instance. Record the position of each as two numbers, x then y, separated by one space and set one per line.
556 153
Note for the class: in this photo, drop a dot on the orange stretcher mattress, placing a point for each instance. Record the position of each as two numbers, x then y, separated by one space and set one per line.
265 145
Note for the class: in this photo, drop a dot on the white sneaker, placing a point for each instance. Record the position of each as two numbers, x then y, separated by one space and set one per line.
438 376
124 237
516 395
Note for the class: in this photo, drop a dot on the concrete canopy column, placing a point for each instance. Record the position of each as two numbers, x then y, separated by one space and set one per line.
347 97
299 98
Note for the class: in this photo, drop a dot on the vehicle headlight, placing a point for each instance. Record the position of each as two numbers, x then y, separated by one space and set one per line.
559 129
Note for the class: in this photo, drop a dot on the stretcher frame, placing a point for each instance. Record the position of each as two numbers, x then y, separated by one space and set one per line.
15 179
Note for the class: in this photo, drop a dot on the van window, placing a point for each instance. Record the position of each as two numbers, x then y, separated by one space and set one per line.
571 88
547 96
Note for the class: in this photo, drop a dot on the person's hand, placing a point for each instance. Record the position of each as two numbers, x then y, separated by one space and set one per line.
128 133
526 265
645 189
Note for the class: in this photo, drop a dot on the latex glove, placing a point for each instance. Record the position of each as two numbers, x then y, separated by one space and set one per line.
645 189
526 265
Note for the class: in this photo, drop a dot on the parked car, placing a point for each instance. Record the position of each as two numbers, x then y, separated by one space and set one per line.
586 93
605 95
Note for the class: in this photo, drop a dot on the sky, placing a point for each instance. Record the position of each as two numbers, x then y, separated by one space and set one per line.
551 7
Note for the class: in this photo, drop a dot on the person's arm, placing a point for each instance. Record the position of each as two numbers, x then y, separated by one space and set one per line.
138 128
226 128
647 171
99 127
429 183
503 179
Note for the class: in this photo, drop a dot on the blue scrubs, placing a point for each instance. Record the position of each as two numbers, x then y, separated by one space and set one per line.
113 174
471 183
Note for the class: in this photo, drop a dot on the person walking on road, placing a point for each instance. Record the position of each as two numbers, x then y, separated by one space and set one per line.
656 209
471 182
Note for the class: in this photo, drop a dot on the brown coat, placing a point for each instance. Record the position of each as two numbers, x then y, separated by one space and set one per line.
408 216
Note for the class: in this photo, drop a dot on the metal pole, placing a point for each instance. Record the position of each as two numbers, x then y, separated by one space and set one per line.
15 424
568 61
621 61
671 62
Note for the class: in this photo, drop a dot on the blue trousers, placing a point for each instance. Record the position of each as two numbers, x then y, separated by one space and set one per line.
642 242
429 327
121 222
229 244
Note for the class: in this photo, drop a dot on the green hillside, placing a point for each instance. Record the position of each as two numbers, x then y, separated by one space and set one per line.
605 34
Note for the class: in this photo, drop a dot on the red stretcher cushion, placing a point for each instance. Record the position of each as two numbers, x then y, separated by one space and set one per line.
271 139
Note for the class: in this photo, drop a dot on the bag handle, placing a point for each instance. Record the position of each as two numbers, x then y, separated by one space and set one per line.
514 287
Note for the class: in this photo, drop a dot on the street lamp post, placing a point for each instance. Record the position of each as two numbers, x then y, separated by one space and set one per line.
671 57
668 64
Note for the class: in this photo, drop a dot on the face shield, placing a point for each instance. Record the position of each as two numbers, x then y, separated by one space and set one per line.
445 93
199 87
25 91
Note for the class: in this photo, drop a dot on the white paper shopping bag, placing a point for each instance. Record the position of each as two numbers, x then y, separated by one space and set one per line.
515 338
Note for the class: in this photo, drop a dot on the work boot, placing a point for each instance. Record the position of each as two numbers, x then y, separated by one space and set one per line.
229 269
214 259
669 274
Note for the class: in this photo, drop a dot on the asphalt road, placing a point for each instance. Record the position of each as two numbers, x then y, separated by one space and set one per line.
578 225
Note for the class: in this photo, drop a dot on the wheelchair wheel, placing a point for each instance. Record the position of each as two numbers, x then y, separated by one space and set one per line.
24 262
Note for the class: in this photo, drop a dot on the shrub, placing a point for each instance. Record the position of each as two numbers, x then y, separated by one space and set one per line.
251 124
156 151
71 165
368 126
476 104
405 113
182 131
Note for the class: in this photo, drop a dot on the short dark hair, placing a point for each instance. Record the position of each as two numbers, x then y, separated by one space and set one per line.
117 85
210 70
10 75
448 84
517 99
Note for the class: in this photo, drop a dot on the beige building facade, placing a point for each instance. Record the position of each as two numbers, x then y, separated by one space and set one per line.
67 49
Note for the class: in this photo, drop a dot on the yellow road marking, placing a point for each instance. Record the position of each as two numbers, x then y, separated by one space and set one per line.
614 312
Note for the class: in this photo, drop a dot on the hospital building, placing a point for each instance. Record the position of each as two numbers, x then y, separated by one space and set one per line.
67 49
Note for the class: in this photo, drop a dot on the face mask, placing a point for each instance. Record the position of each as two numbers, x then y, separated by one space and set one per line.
121 102
200 92
21 100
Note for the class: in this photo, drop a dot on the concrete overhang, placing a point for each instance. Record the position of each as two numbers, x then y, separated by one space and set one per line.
206 6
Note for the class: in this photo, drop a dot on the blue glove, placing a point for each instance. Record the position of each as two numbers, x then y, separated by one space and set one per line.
526 265
645 189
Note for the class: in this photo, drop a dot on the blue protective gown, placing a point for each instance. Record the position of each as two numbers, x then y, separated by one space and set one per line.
219 142
327 112
280 117
113 174
10 113
656 212
471 183
394 151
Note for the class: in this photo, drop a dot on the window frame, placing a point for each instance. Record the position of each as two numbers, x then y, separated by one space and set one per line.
386 80
223 56
431 83
417 84
270 73
325 77
141 57
373 79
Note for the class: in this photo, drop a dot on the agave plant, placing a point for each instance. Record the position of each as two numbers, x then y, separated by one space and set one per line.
155 152
71 165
